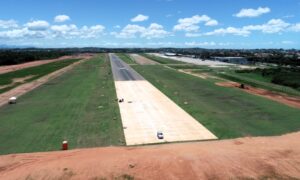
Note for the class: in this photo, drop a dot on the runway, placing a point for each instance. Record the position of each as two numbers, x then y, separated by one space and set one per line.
146 110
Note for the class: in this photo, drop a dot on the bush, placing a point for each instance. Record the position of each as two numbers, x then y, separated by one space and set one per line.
291 79
282 76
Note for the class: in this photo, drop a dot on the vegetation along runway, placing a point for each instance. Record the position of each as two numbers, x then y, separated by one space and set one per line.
146 110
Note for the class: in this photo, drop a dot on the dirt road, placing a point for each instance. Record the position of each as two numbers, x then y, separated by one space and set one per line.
23 89
281 98
142 60
146 110
244 158
10 68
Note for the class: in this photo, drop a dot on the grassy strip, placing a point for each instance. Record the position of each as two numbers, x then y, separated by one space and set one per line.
162 60
193 68
188 66
79 106
259 83
227 112
252 79
254 76
126 58
36 72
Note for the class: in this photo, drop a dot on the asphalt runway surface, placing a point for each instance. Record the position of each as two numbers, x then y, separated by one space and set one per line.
122 71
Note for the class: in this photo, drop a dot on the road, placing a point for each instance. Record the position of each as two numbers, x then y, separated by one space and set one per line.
141 60
27 87
146 110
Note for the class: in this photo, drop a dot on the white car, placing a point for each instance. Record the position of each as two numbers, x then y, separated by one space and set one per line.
12 100
160 135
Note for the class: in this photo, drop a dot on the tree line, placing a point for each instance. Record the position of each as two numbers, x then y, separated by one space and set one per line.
11 57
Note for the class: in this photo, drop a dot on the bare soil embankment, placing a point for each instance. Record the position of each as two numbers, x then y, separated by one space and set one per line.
260 157
282 98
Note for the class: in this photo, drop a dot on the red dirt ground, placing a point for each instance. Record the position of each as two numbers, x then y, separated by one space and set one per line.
6 69
282 98
142 60
259 158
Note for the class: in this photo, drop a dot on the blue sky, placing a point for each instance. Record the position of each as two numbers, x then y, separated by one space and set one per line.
151 23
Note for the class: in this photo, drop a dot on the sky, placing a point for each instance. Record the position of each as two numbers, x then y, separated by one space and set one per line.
238 24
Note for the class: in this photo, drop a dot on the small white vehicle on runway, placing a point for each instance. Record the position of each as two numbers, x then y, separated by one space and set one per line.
160 135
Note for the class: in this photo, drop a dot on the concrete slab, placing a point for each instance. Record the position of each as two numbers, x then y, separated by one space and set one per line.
146 110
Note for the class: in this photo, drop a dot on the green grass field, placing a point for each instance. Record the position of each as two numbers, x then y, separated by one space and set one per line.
35 72
229 73
257 82
126 58
162 60
227 112
254 76
189 66
78 106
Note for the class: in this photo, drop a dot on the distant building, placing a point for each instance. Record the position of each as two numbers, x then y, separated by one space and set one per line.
233 60
169 54
263 55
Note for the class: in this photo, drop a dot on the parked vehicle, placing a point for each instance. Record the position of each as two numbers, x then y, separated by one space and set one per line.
160 135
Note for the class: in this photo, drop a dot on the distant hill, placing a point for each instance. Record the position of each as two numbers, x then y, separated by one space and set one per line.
5 46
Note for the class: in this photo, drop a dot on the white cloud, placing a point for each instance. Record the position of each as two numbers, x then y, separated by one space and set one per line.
288 16
42 29
140 18
61 18
193 34
63 28
147 44
111 44
72 31
16 33
253 12
117 44
194 44
229 30
66 31
5 24
162 44
22 33
154 31
191 24
211 23
207 44
194 20
295 27
186 27
91 32
272 26
37 25
131 44
287 42
131 31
